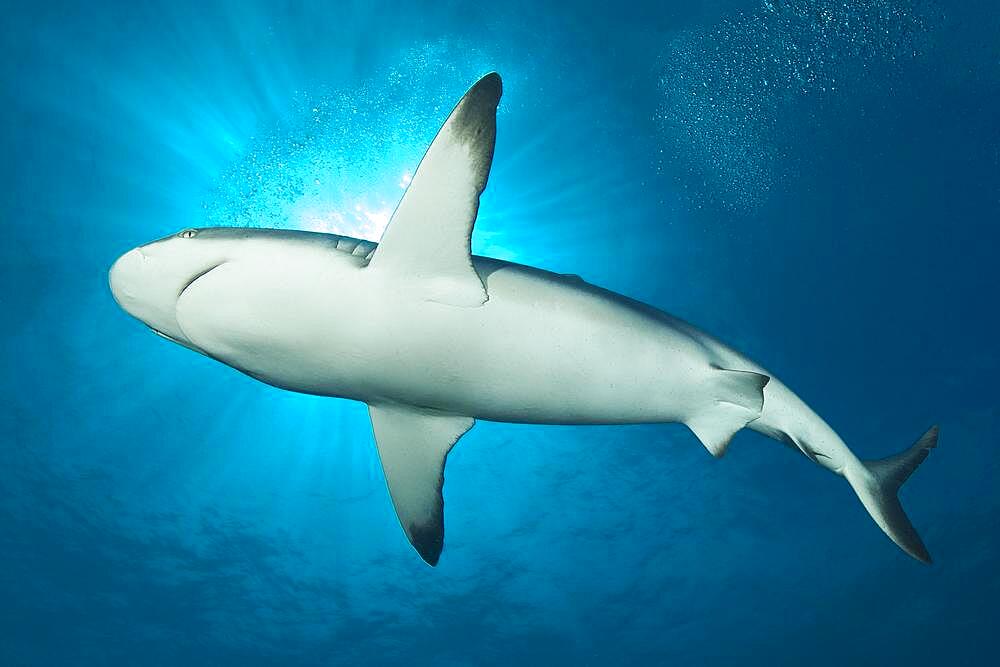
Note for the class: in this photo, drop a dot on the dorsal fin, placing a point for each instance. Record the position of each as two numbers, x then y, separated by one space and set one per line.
429 238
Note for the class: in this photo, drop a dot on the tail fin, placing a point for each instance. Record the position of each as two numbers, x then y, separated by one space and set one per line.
878 493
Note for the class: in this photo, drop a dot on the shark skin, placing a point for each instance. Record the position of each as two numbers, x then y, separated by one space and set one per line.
433 338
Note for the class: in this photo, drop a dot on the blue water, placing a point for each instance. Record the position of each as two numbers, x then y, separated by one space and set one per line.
815 182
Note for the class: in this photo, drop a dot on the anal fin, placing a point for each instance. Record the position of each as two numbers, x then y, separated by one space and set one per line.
737 398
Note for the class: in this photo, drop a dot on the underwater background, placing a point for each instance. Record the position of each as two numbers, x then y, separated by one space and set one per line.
815 182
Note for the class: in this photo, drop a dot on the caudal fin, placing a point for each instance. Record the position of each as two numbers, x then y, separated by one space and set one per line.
878 492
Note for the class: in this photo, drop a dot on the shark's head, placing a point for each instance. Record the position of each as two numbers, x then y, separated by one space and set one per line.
209 288
148 281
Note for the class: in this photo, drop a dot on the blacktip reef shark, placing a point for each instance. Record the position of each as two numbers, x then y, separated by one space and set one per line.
433 338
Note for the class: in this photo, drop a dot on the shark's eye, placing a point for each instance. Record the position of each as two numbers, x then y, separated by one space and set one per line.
188 233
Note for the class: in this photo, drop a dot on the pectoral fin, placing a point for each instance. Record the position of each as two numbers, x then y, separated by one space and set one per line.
412 445
429 238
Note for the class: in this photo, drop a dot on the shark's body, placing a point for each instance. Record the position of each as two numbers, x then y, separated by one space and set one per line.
544 348
432 338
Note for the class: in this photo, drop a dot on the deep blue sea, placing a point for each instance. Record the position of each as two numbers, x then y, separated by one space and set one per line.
815 182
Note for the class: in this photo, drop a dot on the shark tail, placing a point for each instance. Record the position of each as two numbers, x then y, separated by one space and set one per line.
878 485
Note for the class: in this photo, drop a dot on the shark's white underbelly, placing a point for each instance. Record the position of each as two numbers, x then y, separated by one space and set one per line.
545 348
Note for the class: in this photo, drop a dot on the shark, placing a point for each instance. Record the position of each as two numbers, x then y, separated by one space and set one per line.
433 338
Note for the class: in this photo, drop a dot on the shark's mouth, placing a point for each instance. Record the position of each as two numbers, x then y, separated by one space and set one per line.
185 341
197 277
167 336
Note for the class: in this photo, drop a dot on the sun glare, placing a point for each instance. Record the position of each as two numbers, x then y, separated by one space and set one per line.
358 221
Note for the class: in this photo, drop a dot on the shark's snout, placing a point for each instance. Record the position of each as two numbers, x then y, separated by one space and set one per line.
123 274
147 282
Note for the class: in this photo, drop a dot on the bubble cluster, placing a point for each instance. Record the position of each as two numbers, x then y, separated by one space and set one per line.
730 96
342 157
